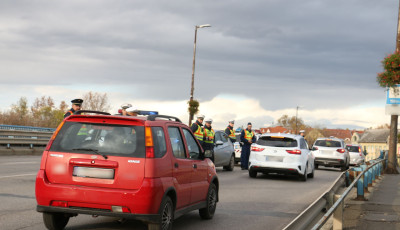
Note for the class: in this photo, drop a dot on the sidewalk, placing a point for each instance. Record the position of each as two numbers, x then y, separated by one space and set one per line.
381 211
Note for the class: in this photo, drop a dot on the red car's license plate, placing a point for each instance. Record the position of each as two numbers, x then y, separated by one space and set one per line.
91 172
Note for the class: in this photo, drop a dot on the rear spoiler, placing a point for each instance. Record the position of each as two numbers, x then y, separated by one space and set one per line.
153 117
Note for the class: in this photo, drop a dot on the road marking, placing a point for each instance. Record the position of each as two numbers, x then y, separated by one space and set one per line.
20 163
33 174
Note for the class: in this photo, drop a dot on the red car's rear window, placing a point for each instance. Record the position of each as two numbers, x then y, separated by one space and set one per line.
108 139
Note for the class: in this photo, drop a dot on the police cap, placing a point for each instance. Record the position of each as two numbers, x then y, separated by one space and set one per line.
232 121
200 116
126 105
132 110
77 101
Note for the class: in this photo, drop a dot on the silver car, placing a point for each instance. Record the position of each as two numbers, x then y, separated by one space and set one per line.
224 153
331 152
357 157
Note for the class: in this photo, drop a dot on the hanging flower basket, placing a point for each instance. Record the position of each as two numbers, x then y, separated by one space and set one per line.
193 106
391 76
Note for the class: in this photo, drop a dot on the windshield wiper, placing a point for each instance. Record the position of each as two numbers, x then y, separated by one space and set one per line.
92 150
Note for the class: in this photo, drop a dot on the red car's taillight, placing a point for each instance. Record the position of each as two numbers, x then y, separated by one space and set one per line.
341 150
149 143
57 203
256 149
295 151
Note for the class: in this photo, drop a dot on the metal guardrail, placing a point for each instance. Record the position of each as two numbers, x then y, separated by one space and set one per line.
25 128
24 136
316 215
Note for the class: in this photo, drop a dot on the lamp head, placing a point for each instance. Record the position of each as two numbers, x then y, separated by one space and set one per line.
205 25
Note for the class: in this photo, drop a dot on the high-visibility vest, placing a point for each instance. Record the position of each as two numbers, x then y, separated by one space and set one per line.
248 135
199 133
209 135
232 134
83 131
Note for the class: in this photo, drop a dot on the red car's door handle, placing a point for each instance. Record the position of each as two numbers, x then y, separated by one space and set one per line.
176 165
195 166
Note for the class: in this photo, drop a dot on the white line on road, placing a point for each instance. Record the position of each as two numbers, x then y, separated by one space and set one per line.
20 163
33 174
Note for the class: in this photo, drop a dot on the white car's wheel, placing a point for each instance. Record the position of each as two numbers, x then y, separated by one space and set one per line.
311 175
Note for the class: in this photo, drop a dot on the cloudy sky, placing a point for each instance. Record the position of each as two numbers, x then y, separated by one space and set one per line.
259 60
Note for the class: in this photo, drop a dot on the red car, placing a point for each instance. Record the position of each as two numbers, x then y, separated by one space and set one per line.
145 168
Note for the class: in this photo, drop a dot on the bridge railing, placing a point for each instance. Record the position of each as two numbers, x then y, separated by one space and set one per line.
332 201
24 136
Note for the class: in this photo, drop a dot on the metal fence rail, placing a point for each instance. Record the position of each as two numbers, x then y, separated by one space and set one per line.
26 128
316 215
24 136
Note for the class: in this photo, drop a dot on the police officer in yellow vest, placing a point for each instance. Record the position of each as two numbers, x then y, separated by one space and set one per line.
76 105
197 129
230 132
247 137
209 138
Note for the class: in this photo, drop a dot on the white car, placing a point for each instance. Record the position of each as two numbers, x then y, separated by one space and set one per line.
281 153
238 152
331 152
357 157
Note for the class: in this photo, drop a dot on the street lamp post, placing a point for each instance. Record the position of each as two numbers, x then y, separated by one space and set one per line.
194 63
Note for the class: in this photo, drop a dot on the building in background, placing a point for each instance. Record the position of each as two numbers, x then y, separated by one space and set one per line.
373 141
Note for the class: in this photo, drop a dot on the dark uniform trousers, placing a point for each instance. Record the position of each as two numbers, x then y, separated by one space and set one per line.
244 157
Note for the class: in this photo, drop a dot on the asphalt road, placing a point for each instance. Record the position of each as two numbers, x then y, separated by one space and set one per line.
266 202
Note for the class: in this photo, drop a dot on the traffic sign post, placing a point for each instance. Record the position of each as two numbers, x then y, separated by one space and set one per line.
393 101
392 108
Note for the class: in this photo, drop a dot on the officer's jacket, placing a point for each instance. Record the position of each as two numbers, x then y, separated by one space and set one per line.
69 113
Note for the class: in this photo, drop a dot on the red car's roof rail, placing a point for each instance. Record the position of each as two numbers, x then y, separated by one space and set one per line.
90 111
153 117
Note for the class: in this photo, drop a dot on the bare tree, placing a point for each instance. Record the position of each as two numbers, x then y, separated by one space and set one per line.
96 101
41 114
19 114
290 122
312 136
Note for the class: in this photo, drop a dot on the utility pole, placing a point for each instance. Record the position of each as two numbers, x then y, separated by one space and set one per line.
392 161
297 109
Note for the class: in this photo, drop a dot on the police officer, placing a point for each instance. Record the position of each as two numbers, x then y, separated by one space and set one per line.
209 137
197 128
247 137
302 133
230 132
131 112
76 105
124 107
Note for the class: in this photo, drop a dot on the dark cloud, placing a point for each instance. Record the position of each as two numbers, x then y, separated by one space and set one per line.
285 53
